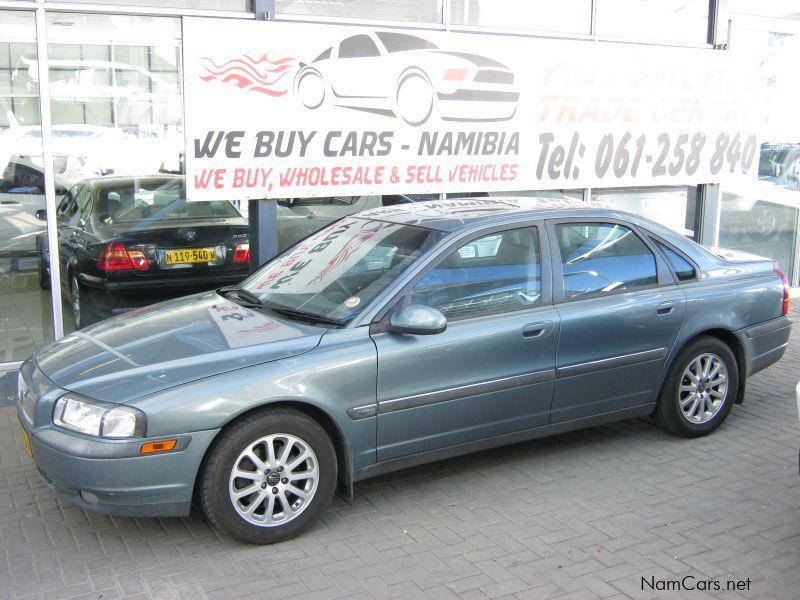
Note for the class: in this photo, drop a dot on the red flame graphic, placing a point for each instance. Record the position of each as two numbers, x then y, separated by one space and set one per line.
261 75
268 326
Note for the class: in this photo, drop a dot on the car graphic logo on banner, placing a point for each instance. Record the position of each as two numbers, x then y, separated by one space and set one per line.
405 76
383 73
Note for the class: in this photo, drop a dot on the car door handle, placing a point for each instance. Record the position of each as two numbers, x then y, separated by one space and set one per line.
664 309
535 330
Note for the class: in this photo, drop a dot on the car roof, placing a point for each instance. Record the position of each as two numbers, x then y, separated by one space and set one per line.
457 213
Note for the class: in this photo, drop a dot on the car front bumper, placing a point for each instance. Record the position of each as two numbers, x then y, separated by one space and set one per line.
111 477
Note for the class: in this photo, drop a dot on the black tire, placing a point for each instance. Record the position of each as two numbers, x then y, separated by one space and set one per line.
44 276
82 313
669 414
215 497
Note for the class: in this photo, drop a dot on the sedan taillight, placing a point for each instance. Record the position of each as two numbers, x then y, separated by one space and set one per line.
115 257
241 253
785 283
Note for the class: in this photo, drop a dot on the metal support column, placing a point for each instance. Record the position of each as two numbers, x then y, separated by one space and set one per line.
263 214
263 218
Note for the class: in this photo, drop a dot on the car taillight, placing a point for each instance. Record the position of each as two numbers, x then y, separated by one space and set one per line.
785 283
455 74
241 253
115 257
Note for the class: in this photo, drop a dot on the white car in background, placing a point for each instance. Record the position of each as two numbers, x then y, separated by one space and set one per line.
21 197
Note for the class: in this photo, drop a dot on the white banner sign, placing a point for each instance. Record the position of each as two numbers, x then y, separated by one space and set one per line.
294 110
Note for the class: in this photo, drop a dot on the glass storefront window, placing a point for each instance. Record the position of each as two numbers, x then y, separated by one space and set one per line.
226 5
761 216
567 16
413 11
116 104
555 194
674 207
25 306
666 20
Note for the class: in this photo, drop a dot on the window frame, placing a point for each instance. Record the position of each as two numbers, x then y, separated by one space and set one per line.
697 272
401 296
664 274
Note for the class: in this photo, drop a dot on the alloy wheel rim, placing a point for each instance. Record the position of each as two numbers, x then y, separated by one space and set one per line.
273 480
766 221
703 388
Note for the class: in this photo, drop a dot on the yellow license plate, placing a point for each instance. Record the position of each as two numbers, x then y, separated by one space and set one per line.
190 255
26 441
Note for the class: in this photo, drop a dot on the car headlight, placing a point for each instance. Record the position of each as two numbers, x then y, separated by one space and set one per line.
100 419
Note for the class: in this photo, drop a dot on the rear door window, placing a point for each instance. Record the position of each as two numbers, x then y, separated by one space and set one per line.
603 258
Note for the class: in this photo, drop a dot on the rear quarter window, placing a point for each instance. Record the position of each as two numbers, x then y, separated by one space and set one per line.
684 270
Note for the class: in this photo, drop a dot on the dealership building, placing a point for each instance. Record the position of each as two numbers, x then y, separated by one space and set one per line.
302 111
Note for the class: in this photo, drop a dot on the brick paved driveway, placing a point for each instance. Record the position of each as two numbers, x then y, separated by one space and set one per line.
580 516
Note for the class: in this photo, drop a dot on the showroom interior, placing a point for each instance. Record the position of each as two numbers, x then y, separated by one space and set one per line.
97 86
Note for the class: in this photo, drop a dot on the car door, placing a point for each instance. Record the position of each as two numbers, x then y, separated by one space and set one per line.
491 371
620 314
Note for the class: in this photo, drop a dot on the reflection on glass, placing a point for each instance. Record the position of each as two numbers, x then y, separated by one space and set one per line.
115 93
25 308
116 105
232 5
419 11
673 207
761 216
668 20
127 242
552 194
567 16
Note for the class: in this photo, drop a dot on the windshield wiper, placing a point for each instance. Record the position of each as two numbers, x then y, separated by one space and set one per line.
248 297
302 315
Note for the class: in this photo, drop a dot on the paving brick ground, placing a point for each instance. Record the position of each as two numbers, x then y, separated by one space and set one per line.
578 516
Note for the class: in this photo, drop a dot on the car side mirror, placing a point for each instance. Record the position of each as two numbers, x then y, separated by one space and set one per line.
41 214
417 319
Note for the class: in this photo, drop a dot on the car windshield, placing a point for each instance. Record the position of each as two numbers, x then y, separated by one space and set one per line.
142 201
339 270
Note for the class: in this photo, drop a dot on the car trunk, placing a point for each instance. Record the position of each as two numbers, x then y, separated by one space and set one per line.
181 248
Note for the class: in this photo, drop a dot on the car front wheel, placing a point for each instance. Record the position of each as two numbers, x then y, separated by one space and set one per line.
269 476
699 390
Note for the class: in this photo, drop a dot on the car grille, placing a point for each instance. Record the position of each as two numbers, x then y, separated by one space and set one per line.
490 76
26 399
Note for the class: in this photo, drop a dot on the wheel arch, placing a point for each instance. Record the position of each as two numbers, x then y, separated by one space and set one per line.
729 339
341 447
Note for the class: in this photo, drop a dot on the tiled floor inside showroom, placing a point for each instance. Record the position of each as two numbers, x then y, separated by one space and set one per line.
580 516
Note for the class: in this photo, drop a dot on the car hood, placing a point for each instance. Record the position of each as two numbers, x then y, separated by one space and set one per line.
168 344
